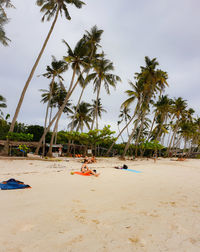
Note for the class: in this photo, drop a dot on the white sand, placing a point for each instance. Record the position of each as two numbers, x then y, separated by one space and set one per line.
156 210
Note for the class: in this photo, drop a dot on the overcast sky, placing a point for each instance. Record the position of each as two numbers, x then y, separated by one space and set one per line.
165 29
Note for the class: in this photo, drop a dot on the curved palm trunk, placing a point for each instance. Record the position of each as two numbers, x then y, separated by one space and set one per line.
121 135
139 134
47 112
96 109
32 72
129 140
136 109
79 100
108 151
151 127
59 113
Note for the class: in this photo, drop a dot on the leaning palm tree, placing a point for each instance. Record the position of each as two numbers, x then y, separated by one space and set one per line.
92 39
78 59
50 8
2 104
102 74
134 94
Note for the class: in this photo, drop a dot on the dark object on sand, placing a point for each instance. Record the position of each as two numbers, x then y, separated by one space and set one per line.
12 184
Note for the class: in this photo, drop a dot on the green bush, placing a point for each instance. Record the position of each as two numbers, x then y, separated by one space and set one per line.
19 136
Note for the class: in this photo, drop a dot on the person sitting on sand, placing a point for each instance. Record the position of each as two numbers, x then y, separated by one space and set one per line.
85 169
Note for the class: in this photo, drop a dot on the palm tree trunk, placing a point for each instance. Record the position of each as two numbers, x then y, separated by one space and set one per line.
59 113
32 72
47 112
108 151
79 100
130 138
151 127
98 93
139 134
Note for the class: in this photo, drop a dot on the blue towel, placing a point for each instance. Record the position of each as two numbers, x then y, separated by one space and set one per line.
133 170
13 184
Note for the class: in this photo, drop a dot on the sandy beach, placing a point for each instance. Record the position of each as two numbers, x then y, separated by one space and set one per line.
155 210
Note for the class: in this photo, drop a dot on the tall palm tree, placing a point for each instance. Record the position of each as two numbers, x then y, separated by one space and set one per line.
163 109
102 74
2 104
152 81
78 58
179 111
82 116
92 39
50 8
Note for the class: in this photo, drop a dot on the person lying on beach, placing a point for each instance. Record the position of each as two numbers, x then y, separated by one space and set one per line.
93 159
85 169
123 167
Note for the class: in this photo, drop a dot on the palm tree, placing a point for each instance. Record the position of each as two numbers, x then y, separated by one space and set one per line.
82 116
2 104
179 111
92 40
125 116
102 68
4 20
134 94
50 8
152 80
99 106
77 58
163 109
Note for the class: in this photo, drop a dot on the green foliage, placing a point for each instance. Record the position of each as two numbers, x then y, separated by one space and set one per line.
36 131
153 145
4 128
19 136
23 147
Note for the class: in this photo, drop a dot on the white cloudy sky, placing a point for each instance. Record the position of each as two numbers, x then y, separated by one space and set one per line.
165 29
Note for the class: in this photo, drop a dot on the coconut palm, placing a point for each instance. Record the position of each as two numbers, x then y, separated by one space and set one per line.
162 110
50 8
92 39
4 20
2 104
102 74
100 108
134 94
152 81
178 110
125 116
82 116
3 38
78 58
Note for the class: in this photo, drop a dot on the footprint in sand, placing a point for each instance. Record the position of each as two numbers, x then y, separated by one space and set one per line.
96 222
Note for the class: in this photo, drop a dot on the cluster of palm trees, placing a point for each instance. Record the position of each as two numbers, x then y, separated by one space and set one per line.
87 62
170 117
88 65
